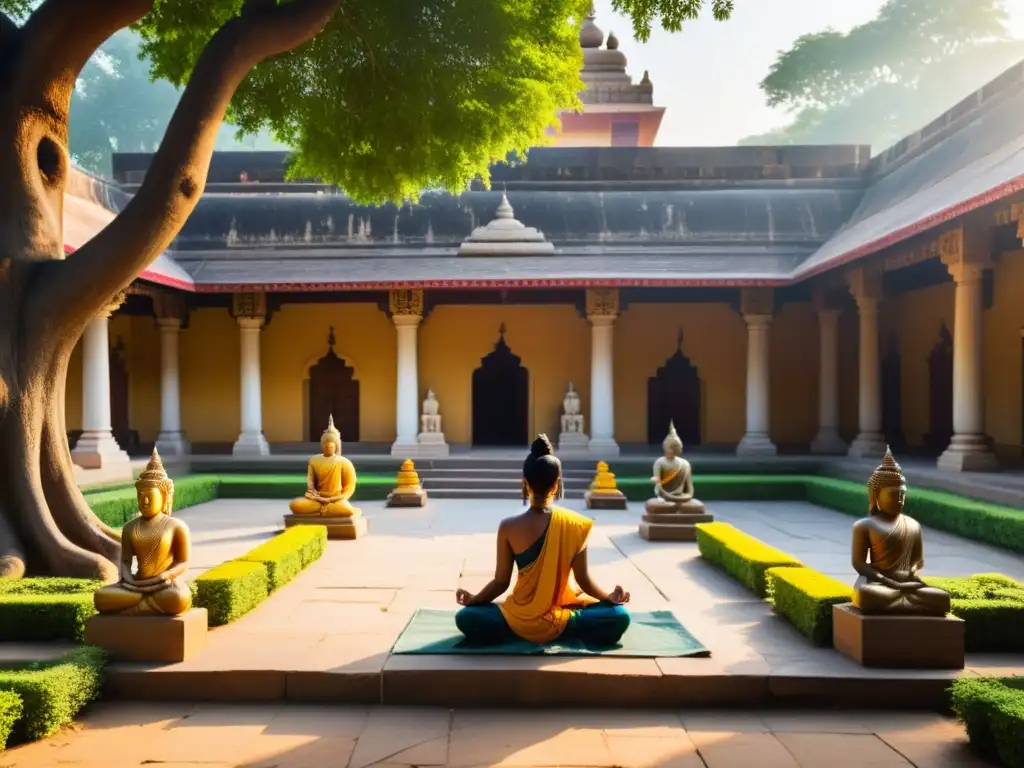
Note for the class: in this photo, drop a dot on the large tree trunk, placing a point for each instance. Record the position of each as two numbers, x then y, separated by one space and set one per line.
46 527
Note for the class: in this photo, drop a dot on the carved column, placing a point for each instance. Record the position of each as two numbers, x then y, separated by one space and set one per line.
250 310
756 304
828 441
967 259
170 312
865 284
602 311
97 448
406 309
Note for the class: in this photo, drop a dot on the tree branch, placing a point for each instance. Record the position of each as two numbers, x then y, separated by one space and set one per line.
177 174
60 36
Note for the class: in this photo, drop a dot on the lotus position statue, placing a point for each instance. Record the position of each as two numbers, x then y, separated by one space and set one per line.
160 546
673 480
331 480
554 596
430 421
888 552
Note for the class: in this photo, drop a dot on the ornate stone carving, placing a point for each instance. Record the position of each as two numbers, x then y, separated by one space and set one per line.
249 305
966 254
602 302
170 306
757 301
865 284
406 302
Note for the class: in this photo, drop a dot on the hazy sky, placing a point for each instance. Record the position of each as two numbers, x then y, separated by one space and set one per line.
706 76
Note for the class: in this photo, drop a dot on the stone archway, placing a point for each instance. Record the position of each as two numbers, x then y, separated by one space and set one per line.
674 395
501 398
940 393
333 391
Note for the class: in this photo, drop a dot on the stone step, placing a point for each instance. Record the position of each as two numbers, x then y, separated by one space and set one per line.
492 493
514 474
430 481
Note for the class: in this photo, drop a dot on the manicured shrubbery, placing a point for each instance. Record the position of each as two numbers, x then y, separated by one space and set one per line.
11 710
117 506
43 609
992 607
741 556
285 555
805 597
992 710
727 487
52 692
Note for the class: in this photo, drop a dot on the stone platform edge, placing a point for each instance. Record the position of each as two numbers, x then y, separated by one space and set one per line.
513 682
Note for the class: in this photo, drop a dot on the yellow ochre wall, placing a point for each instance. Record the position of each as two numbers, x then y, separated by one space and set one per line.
1003 326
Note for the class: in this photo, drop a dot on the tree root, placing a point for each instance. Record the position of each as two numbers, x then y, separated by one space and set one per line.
12 554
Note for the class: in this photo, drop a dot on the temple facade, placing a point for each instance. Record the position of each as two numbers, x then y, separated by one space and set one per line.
779 299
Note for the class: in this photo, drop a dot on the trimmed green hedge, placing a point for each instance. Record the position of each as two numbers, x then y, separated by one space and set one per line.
992 607
805 597
117 506
727 487
285 555
53 692
741 556
44 609
992 710
11 710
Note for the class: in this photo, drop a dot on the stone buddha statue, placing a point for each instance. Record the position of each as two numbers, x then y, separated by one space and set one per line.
888 552
430 421
160 546
673 480
331 480
572 419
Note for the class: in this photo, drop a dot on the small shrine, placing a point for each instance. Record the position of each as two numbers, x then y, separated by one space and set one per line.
572 439
431 438
408 491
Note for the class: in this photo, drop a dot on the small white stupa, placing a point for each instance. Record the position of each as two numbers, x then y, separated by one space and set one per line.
504 235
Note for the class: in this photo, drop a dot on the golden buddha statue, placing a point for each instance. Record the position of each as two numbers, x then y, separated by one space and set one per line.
673 480
330 479
604 493
160 546
888 552
408 491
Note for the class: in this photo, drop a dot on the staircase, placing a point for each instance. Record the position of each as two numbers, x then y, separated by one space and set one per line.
492 478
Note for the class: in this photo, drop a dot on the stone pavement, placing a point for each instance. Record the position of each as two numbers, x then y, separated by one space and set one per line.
291 736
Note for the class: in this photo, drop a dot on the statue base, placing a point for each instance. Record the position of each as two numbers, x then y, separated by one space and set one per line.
898 641
968 453
344 528
149 638
573 444
867 445
251 444
403 498
97 449
605 499
756 444
658 506
828 442
603 447
431 444
173 444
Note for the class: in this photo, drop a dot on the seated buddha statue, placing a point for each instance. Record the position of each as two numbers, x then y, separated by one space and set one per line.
330 480
888 552
673 480
160 546
555 597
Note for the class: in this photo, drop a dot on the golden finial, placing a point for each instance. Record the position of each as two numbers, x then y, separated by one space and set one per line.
154 475
672 438
331 432
888 474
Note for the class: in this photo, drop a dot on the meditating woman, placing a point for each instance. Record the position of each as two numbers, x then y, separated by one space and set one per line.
549 546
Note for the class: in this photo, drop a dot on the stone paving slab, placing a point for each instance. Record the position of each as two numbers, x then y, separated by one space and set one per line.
327 636
294 736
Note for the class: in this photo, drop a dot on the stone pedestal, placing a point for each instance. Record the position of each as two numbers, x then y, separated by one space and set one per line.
431 444
346 528
573 444
399 497
97 449
898 642
968 453
605 499
149 638
665 521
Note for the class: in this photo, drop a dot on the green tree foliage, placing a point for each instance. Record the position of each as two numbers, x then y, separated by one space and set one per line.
886 78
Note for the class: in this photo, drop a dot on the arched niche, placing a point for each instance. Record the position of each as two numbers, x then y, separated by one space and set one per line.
674 395
332 390
501 397
940 393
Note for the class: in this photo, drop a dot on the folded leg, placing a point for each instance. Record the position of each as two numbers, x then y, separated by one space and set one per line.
483 625
599 626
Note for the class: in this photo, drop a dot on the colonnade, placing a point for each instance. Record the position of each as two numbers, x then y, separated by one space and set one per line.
968 449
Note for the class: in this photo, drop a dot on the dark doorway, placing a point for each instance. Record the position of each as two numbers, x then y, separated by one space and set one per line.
892 409
940 394
120 406
333 391
501 397
673 395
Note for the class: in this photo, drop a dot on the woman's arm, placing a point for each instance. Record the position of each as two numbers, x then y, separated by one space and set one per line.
581 570
502 575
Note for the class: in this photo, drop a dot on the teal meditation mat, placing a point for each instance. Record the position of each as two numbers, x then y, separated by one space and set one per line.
650 635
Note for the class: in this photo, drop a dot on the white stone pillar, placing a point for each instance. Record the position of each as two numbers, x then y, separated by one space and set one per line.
602 311
866 287
969 450
407 401
828 441
251 441
171 441
97 448
755 440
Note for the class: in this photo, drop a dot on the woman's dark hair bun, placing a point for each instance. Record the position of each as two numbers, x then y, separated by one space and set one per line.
541 447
